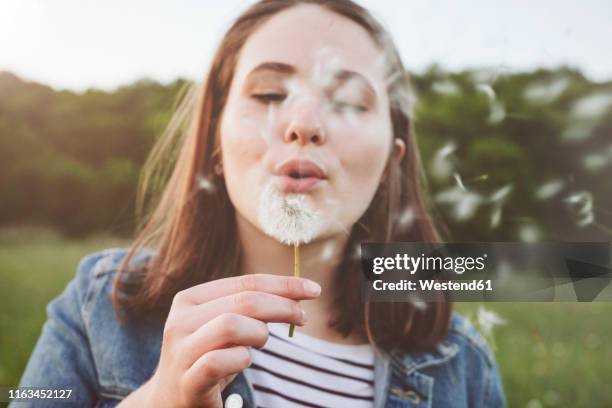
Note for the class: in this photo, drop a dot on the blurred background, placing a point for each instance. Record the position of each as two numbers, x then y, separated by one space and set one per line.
513 119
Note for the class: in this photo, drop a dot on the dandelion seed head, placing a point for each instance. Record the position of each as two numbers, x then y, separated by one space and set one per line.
289 218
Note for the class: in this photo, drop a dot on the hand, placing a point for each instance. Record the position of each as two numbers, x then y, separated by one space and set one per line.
209 329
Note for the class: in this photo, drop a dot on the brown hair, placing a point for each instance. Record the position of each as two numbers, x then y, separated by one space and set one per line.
194 231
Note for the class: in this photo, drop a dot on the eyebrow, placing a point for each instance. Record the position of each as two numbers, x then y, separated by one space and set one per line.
274 66
341 76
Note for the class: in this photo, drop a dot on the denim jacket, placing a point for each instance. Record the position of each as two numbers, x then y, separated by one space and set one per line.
83 347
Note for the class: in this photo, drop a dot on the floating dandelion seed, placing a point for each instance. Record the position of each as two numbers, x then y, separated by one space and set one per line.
487 75
406 218
497 110
445 87
498 199
487 320
459 181
592 106
356 255
403 98
534 403
391 79
464 202
327 63
487 90
497 113
546 92
442 165
582 203
549 190
418 304
294 92
529 233
597 161
586 114
328 251
206 184
579 130
499 196
496 216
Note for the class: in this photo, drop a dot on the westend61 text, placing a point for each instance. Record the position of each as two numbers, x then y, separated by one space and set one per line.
430 284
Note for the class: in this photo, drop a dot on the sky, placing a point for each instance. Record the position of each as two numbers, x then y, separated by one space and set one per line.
78 44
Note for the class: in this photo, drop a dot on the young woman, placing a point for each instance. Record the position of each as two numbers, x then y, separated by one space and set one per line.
306 100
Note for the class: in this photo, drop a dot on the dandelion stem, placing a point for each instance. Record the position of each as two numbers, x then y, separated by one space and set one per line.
296 273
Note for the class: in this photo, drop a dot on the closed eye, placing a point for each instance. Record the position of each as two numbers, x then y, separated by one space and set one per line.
269 97
341 106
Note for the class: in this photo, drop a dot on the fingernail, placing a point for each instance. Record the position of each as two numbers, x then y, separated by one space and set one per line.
311 288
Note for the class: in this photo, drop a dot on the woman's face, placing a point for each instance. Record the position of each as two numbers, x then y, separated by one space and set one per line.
309 101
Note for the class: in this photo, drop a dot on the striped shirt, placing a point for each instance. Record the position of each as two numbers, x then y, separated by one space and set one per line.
304 371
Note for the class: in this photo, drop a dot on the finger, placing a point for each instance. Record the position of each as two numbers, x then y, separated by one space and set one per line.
213 366
226 330
258 305
287 286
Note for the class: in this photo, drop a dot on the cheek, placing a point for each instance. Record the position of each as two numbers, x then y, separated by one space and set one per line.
241 142
364 158
243 149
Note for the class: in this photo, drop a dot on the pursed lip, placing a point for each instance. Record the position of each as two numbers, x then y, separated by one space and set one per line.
300 176
300 169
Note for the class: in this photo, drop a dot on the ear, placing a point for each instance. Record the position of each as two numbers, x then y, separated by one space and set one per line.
400 148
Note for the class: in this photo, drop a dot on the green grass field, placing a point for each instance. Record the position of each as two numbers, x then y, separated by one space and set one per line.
551 355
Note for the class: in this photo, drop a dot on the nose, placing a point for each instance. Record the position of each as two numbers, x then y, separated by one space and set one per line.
305 129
